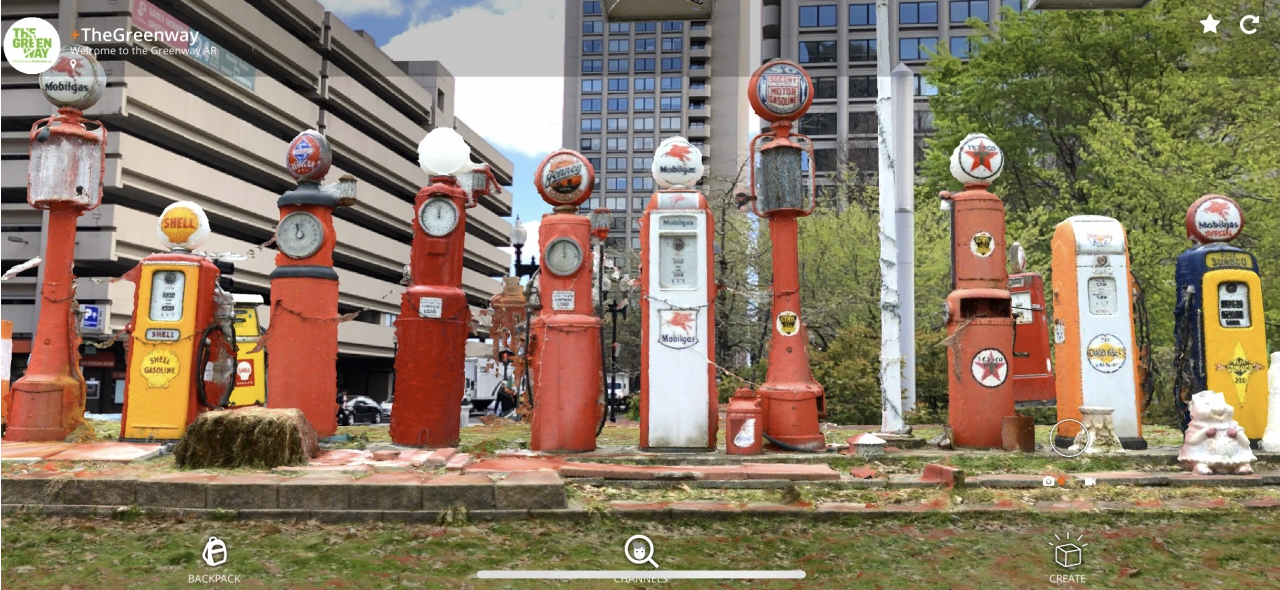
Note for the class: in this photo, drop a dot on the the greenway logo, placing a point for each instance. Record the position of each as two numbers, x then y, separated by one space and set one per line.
31 45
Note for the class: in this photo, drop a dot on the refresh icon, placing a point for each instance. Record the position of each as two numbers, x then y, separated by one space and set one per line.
1250 18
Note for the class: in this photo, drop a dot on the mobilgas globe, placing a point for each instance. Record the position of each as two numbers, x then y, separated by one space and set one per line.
183 225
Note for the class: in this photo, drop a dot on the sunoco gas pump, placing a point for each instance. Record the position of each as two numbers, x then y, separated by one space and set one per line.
1030 368
181 351
1221 336
979 311
678 398
566 357
1093 327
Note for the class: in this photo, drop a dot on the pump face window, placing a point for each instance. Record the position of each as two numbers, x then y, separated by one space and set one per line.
1233 305
167 288
1102 296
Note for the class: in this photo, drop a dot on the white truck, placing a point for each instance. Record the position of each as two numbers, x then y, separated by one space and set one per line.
483 381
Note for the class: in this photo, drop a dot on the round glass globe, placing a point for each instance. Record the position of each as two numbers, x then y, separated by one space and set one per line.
443 151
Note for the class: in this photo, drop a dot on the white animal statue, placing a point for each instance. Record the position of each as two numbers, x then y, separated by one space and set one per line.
1215 442
1271 436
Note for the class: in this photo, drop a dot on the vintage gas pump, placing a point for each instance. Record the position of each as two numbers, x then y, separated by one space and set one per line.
979 311
1093 327
251 367
1030 368
678 398
782 191
566 359
181 351
1221 336
303 341
434 316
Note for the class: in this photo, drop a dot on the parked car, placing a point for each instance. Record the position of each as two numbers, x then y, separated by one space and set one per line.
386 409
361 409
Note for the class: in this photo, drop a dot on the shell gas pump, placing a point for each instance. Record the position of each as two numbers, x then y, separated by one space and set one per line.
251 366
1220 334
678 397
1030 369
181 352
1099 358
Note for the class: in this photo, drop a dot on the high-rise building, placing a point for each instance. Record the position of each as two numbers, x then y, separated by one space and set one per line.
835 41
629 85
209 121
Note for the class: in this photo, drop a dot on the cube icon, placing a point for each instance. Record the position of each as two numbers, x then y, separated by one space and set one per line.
1068 555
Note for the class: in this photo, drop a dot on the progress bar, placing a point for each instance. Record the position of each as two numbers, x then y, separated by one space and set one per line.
641 574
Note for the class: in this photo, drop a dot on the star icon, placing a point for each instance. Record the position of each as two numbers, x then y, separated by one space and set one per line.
982 156
1210 24
990 369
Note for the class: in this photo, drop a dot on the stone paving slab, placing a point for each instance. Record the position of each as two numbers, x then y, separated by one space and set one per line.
474 491
31 452
117 452
604 471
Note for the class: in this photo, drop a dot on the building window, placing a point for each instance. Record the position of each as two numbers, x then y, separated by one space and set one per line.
923 87
672 82
592 46
641 163
644 84
862 86
672 25
916 47
616 164
646 27
818 124
1014 5
645 45
591 8
862 15
824 87
642 183
615 183
617 124
592 84
696 45
862 50
643 104
670 103
616 144
617 65
673 44
592 27
672 64
617 105
696 125
813 52
590 144
619 45
818 16
616 203
595 165
959 47
697 85
962 10
644 64
591 124
924 121
862 122
592 65
698 25
619 27
635 240
618 84
671 123
590 105
643 123
697 65
824 160
918 13
642 143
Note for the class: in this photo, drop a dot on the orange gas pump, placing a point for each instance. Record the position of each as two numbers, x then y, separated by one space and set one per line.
979 311
181 347
1030 368
566 362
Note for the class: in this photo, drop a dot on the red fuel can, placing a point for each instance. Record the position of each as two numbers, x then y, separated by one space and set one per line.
745 425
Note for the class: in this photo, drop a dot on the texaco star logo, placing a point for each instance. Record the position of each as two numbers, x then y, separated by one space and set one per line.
980 159
989 367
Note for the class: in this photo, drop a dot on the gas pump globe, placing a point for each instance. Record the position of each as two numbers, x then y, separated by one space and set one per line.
68 153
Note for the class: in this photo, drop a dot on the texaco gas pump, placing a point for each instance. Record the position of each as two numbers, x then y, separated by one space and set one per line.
979 310
181 351
435 318
678 398
782 190
566 357
1093 327
1030 368
302 341
1221 337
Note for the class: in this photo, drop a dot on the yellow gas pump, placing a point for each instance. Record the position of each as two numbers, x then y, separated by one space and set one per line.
251 367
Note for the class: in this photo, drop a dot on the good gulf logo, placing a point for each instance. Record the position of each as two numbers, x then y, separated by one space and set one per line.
1106 353
183 225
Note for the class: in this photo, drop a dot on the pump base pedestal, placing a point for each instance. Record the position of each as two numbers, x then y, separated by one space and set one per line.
791 416
38 408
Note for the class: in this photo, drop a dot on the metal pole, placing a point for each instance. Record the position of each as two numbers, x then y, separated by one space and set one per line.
904 189
890 348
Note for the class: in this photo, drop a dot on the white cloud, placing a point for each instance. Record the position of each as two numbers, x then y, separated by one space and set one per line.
507 58
351 8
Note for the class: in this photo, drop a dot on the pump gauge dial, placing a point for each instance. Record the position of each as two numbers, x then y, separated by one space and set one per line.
300 234
563 256
438 216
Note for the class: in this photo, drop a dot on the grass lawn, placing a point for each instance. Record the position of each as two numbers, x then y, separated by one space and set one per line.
1226 549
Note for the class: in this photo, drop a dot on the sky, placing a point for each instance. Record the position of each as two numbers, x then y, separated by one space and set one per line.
507 59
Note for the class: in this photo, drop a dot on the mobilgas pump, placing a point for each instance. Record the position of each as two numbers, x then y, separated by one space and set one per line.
1221 336
1030 368
678 398
1099 362
181 349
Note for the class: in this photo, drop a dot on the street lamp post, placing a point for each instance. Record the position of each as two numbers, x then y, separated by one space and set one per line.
518 237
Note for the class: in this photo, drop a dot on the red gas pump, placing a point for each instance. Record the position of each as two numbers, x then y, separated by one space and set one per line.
435 318
979 312
1030 368
566 357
